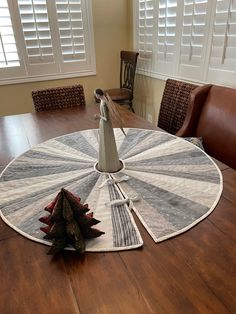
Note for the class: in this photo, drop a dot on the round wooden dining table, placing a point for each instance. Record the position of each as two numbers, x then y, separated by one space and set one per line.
193 272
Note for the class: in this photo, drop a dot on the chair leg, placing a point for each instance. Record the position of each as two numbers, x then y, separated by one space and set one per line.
131 107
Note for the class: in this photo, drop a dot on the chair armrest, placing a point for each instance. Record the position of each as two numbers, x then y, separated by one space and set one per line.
197 100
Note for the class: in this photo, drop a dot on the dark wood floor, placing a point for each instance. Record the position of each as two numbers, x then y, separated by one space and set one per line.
192 273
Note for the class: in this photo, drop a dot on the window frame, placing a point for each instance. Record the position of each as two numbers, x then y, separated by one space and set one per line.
21 74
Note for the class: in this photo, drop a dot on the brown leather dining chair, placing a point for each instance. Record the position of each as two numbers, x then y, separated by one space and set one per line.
58 97
124 94
211 115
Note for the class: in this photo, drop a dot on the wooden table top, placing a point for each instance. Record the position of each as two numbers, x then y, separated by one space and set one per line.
194 272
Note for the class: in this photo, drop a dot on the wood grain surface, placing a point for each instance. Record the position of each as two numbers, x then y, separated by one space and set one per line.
192 273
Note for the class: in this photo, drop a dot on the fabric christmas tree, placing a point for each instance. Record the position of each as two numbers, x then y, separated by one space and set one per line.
68 222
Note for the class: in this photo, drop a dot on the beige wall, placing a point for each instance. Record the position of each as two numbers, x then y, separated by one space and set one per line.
147 97
112 34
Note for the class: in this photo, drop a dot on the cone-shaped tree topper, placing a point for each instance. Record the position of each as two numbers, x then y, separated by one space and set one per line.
68 223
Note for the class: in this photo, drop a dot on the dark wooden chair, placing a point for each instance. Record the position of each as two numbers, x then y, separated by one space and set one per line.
124 94
58 97
174 105
211 115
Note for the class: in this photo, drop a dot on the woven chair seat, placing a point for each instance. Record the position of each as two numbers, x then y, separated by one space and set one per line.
58 97
174 105
120 94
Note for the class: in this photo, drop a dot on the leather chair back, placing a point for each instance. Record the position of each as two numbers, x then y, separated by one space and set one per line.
212 116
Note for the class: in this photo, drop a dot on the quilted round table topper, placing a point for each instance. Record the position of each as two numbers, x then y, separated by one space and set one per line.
168 182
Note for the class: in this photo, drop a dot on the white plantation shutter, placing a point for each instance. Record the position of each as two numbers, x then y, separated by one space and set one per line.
222 65
145 33
54 38
146 28
188 39
155 36
166 36
71 30
39 53
36 31
11 59
73 25
194 38
8 52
